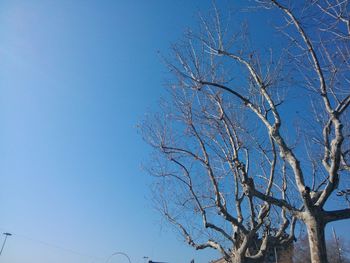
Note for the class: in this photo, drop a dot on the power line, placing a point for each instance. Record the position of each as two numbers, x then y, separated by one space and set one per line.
55 246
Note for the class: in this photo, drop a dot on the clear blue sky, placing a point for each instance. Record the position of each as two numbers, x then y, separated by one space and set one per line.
75 79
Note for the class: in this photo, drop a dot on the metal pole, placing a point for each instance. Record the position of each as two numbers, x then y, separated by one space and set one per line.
276 257
3 244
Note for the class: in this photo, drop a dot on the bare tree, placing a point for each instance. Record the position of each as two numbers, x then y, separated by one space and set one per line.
252 138
202 162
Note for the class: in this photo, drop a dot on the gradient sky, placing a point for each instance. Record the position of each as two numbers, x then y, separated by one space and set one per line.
75 79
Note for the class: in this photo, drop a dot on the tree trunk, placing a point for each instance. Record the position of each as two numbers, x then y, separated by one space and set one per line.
237 257
315 228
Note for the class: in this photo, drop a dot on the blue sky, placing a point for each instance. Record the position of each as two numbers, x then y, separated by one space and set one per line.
75 79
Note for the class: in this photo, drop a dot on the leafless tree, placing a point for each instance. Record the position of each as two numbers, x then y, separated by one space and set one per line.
205 187
252 138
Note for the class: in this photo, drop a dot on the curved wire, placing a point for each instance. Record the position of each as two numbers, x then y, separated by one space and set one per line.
118 253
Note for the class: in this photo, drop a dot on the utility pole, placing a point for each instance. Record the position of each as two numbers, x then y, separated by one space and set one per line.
3 244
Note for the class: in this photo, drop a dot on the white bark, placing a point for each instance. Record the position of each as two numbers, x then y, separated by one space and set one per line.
315 229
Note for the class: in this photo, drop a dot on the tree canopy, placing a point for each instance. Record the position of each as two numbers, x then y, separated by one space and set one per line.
251 138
